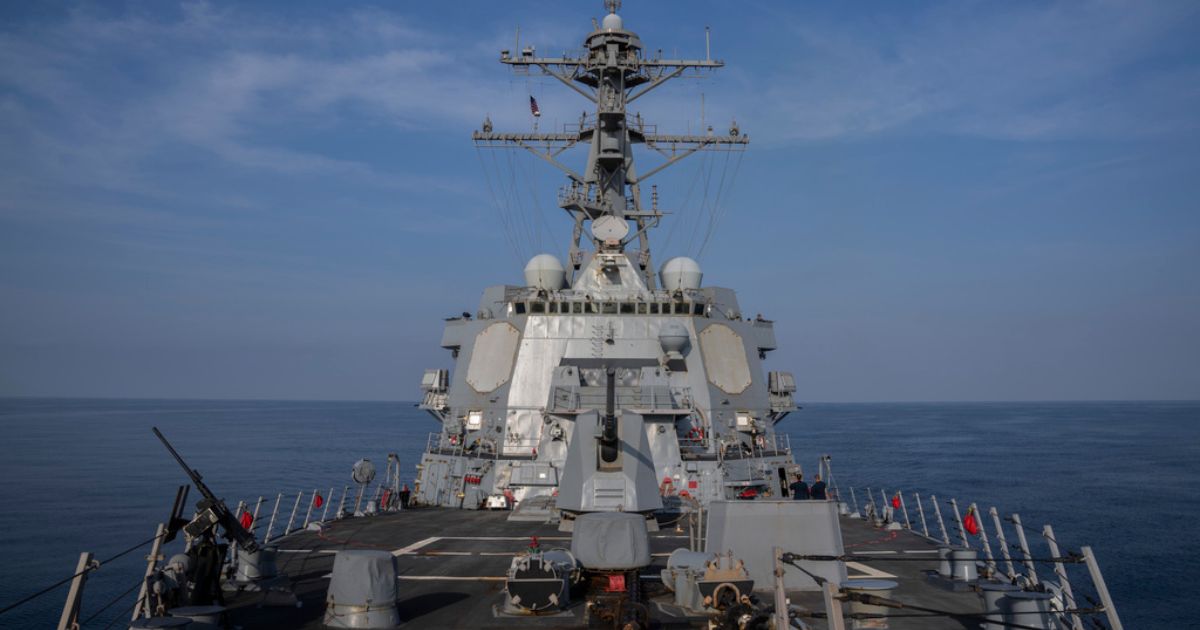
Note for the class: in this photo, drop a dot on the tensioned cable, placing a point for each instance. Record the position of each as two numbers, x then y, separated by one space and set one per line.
92 567
724 209
114 600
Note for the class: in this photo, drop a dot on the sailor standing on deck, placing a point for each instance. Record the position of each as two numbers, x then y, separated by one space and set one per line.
799 489
404 494
818 489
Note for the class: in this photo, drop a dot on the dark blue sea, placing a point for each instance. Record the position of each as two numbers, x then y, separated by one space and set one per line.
89 475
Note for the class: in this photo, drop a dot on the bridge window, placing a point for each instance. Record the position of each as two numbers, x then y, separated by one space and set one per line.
626 308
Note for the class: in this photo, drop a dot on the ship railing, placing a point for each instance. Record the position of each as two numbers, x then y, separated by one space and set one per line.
480 447
565 399
309 508
1074 607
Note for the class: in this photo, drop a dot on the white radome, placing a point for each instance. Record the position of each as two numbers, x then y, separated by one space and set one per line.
612 22
680 273
545 271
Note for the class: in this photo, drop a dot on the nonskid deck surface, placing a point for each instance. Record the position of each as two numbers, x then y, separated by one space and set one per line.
452 565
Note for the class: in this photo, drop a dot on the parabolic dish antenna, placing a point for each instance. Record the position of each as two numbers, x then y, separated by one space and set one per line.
609 228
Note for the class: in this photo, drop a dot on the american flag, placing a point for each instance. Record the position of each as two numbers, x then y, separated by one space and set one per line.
533 106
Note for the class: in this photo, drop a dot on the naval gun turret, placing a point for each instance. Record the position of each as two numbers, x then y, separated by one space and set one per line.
609 465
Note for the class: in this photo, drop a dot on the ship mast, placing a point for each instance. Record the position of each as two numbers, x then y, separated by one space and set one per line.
611 73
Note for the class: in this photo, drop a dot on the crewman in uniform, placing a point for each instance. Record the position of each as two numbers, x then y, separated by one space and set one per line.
799 489
818 489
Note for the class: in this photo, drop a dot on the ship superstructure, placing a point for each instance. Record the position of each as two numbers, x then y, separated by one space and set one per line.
626 404
556 380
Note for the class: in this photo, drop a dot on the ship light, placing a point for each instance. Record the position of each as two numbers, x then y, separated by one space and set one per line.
474 420
744 421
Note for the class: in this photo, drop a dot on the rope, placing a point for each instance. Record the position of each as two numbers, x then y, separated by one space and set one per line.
93 567
124 615
111 602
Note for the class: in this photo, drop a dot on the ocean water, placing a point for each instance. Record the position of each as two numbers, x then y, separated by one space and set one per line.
80 475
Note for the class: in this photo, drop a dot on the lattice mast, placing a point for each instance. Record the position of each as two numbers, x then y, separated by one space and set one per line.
612 72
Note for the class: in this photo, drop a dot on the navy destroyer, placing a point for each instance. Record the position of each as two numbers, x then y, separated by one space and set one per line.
606 455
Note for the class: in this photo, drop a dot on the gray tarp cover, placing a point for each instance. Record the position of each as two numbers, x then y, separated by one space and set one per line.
363 576
611 541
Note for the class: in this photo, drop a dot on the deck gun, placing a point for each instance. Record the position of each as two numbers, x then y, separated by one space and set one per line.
211 511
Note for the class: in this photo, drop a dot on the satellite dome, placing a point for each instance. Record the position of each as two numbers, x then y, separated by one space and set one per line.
680 273
544 271
673 338
612 22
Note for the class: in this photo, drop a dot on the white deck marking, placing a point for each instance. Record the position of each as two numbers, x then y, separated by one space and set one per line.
502 537
893 552
452 578
415 546
867 571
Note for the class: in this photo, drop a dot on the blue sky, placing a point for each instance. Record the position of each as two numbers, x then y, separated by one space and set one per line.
942 201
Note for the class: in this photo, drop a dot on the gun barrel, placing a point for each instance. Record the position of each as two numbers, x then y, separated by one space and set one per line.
233 529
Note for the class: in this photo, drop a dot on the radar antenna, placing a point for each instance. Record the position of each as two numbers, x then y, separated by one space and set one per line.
611 73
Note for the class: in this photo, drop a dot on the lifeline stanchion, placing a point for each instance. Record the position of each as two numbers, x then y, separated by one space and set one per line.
325 512
274 514
962 531
295 508
1029 568
70 613
308 513
342 504
983 538
937 510
921 511
1011 571
904 510
1110 611
1061 570
151 560
254 519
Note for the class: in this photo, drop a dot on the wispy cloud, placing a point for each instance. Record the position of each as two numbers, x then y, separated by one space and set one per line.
1007 70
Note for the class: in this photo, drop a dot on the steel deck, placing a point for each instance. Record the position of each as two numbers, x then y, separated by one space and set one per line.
452 565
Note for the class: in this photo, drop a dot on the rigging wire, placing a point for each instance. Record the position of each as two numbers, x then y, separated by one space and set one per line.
682 215
94 566
112 601
723 209
703 201
714 208
501 214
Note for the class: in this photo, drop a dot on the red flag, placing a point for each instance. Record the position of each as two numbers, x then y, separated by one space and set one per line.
616 583
318 500
896 502
247 520
970 524
533 106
